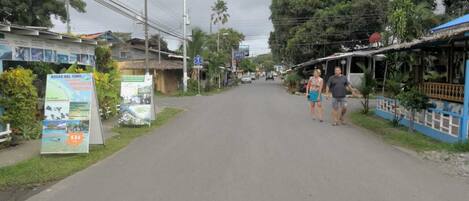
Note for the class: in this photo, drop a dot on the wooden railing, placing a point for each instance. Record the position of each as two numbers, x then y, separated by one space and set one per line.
443 91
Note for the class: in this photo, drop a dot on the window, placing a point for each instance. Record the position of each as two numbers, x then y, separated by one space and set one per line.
458 68
124 55
436 66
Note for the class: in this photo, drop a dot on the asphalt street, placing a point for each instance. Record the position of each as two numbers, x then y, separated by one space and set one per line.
256 143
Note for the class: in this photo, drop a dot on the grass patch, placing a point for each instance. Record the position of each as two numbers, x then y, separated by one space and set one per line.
402 137
48 168
213 91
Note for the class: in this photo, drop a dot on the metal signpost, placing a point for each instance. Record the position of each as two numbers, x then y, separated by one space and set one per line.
198 64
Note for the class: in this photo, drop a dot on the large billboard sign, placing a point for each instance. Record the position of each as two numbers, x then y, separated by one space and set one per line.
72 120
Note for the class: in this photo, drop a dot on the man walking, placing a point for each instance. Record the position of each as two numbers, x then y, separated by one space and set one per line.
338 85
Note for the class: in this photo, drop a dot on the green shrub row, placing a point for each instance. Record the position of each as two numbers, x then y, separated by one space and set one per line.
20 89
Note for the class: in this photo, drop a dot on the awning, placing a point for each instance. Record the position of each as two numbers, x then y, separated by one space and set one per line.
453 23
43 32
359 53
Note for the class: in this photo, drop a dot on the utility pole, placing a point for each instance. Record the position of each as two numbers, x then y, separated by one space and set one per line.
159 47
67 8
147 67
184 42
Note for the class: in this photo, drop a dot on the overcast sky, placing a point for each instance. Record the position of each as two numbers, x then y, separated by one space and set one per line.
251 17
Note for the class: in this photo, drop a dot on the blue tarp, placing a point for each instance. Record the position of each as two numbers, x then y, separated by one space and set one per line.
458 21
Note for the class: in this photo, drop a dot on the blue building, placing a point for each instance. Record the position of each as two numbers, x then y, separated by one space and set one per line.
442 70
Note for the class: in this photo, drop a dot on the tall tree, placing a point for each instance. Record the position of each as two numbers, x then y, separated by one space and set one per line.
197 43
219 13
247 65
229 38
408 20
37 12
455 8
306 29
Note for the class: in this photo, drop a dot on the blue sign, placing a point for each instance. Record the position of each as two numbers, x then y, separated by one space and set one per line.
198 60
239 55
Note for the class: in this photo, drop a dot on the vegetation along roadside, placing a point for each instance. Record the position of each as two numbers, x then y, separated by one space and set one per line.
402 137
44 169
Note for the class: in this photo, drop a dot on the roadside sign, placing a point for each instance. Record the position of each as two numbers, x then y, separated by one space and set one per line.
198 60
197 67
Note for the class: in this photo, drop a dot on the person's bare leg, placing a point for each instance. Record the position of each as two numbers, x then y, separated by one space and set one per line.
319 112
342 114
311 107
335 116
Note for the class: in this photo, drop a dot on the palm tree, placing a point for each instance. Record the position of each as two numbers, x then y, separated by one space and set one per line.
220 13
196 45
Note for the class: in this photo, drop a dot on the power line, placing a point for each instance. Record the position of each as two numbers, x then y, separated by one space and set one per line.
169 13
156 21
128 12
166 9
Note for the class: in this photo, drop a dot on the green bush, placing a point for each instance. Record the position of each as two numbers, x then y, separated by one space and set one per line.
107 81
192 86
18 97
104 62
31 131
74 68
107 90
41 70
292 81
367 86
414 101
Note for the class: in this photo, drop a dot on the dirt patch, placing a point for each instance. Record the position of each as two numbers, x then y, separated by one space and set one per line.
456 164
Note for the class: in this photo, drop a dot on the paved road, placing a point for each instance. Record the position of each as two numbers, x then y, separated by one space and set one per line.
256 143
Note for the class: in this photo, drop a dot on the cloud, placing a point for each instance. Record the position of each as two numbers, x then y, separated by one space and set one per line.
251 17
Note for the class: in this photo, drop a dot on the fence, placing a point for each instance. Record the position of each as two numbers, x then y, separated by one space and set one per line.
444 91
439 124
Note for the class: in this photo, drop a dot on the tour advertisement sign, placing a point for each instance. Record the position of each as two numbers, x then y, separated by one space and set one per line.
136 100
72 120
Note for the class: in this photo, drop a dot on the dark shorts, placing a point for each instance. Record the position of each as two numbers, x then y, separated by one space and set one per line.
339 103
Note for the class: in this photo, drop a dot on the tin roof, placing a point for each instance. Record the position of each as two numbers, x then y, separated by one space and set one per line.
43 32
453 23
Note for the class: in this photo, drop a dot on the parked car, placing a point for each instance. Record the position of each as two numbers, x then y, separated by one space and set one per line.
253 76
246 79
269 76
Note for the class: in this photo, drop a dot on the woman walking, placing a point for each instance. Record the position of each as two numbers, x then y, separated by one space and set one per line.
314 94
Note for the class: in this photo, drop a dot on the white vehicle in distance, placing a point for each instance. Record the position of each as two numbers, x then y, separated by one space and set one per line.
246 79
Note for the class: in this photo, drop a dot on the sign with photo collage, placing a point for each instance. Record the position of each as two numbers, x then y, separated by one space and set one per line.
136 100
72 119
21 48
